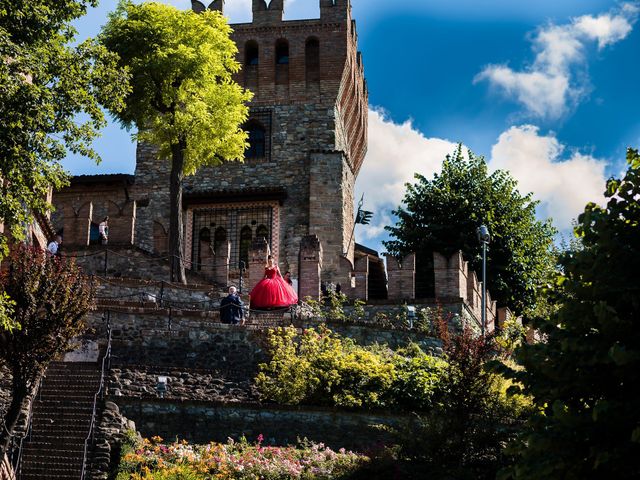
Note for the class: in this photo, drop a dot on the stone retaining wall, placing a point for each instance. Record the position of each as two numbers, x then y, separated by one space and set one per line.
182 384
6 470
5 389
202 422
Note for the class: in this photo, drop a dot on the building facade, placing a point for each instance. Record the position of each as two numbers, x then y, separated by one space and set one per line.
308 136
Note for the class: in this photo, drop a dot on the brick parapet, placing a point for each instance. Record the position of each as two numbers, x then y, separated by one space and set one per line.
221 265
401 277
453 279
310 263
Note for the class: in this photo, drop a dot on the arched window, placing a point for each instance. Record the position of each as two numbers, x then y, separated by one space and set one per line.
312 60
94 234
245 244
251 53
282 66
204 248
262 232
256 140
205 235
282 52
220 240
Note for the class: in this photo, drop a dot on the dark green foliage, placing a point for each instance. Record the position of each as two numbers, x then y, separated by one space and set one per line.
463 436
50 300
442 215
585 375
44 85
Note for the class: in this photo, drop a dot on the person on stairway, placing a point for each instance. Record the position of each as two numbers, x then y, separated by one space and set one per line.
231 308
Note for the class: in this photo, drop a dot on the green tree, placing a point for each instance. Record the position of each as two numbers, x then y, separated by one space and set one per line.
183 97
45 83
50 300
585 375
442 215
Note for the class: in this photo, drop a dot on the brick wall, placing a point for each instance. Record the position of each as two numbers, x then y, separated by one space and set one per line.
310 267
88 200
453 279
401 277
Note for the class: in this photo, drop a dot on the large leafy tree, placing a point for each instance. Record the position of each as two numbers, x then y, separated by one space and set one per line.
585 375
45 83
183 97
50 298
443 213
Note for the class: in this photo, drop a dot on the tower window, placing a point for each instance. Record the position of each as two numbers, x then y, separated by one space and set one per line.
257 139
282 52
251 53
312 60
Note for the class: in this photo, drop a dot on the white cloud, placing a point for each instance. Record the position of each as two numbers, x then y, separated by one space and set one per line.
564 182
564 185
550 87
396 152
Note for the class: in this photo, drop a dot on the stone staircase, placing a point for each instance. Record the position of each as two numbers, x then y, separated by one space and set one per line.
61 421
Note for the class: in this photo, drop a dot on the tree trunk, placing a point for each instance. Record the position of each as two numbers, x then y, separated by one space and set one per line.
176 229
21 395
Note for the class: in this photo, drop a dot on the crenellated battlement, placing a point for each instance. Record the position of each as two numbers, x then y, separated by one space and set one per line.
312 61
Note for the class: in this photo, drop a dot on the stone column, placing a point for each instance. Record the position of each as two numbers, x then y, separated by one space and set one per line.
310 267
122 225
221 263
77 225
257 260
401 277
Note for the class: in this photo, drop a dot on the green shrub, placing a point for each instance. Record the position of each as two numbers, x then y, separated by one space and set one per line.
320 367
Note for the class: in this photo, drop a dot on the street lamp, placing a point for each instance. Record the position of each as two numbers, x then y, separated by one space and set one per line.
484 237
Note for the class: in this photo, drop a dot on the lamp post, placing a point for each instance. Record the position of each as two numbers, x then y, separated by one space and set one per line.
484 237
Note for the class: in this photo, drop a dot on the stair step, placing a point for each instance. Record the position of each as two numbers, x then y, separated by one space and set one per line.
50 443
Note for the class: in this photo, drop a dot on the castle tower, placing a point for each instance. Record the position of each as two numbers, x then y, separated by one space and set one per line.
308 136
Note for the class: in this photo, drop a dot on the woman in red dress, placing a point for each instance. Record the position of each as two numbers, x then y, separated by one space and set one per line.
272 291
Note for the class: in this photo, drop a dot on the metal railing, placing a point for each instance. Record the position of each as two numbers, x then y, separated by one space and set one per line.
15 451
99 394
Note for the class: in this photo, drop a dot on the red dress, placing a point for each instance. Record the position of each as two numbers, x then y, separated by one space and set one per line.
272 291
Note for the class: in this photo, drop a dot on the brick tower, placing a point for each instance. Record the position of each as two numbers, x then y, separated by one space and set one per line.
308 135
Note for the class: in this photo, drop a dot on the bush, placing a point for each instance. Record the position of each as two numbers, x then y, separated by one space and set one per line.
153 460
464 434
320 367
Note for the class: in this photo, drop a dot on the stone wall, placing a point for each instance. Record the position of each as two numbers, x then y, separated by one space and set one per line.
366 333
156 293
110 433
5 389
202 422
6 469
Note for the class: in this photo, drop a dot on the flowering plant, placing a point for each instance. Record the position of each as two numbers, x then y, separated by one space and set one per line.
151 459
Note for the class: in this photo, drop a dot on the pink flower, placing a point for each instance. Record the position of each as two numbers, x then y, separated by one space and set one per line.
260 438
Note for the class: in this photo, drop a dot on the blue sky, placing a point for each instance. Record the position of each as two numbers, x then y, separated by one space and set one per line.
546 89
